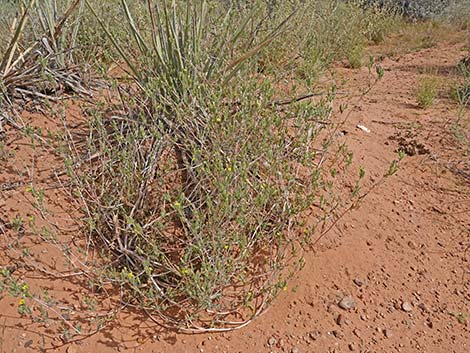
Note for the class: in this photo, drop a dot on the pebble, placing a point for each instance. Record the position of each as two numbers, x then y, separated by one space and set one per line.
422 306
406 306
314 335
347 303
272 341
340 320
352 347
363 128
338 334
387 333
358 282
294 350
28 343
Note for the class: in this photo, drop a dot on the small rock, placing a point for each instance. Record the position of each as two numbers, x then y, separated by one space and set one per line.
72 349
406 307
357 333
340 320
387 333
358 282
422 306
337 334
28 343
295 350
272 341
314 335
347 303
363 128
352 347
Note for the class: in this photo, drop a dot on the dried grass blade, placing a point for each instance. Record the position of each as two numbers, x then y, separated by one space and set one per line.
8 56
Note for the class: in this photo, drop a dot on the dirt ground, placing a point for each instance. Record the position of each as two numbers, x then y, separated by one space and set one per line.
392 276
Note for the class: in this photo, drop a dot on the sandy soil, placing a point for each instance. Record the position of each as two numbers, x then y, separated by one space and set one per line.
399 265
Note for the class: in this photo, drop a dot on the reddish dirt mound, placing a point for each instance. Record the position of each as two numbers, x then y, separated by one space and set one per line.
392 276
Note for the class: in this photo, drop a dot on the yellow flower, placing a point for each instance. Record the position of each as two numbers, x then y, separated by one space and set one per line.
184 271
229 169
226 247
284 288
177 204
218 119
130 275
21 302
25 287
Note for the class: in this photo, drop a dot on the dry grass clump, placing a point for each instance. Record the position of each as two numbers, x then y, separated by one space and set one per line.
36 61
427 91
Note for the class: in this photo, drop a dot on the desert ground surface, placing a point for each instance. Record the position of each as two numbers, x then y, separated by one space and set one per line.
393 275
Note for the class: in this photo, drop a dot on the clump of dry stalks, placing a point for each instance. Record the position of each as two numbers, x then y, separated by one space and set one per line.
37 62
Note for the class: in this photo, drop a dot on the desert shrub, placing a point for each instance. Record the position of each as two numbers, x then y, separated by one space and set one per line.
323 32
200 182
457 14
355 56
415 9
37 60
426 92
53 44
461 126
461 90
